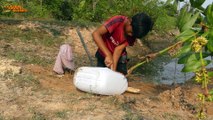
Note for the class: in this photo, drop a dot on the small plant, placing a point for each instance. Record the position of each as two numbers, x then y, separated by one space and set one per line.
38 116
196 27
61 114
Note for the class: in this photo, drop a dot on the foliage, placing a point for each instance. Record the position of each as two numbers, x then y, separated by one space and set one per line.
35 10
196 27
60 9
196 38
97 10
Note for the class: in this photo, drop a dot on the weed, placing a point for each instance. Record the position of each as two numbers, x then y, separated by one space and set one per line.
132 116
91 107
170 116
1 118
29 59
113 100
61 114
86 96
26 80
38 116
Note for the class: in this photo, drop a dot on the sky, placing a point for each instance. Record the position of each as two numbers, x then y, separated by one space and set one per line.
205 4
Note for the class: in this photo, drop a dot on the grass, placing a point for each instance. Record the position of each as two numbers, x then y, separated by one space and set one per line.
132 116
28 58
170 116
50 35
27 79
165 23
24 79
38 116
34 38
1 118
61 114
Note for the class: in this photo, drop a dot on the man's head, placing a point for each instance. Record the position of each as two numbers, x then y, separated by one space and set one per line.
141 25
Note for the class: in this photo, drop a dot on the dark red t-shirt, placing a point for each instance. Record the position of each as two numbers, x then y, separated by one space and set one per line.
116 34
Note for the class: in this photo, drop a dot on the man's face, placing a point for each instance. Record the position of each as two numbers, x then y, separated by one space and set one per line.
128 28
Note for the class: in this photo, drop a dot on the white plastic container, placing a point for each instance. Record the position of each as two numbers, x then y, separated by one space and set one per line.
100 80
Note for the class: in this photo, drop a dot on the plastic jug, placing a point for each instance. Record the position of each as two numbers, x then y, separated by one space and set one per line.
100 80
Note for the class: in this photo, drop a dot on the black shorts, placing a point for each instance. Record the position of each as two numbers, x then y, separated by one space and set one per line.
121 66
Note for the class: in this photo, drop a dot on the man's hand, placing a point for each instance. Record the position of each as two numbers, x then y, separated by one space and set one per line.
109 62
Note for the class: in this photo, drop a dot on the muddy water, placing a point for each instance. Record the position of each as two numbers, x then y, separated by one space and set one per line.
165 70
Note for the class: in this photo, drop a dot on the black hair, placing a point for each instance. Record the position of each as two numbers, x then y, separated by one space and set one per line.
141 25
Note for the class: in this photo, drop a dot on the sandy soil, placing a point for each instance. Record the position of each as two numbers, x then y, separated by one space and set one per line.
37 93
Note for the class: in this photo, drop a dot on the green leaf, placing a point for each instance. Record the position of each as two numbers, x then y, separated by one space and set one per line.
192 66
196 3
185 49
210 45
186 35
209 14
183 17
191 57
188 57
211 92
210 74
190 22
82 4
210 41
180 18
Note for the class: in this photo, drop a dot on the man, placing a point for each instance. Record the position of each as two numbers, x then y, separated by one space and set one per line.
115 35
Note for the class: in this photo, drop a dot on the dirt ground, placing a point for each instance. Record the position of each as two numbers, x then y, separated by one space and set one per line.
33 91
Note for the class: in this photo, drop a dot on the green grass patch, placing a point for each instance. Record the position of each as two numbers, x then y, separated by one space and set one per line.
45 35
170 116
132 116
24 79
165 23
29 58
38 116
1 118
61 114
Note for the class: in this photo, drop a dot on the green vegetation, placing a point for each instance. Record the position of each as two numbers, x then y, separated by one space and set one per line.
61 114
24 79
92 10
196 27
38 116
170 116
29 58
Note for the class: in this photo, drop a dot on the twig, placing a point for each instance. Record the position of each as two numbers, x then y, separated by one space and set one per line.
85 47
130 70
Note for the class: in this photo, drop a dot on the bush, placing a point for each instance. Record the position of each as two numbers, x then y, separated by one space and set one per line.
100 10
36 11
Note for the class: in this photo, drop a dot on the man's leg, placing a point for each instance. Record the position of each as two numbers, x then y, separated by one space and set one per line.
100 60
122 65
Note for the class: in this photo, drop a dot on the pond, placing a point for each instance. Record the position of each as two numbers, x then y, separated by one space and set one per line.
165 70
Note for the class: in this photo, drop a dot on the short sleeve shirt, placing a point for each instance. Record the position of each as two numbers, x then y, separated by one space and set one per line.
116 34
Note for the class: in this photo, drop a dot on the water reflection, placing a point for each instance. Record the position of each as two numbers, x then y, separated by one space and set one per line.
165 70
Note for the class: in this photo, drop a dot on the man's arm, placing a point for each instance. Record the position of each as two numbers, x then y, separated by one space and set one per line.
97 37
117 54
